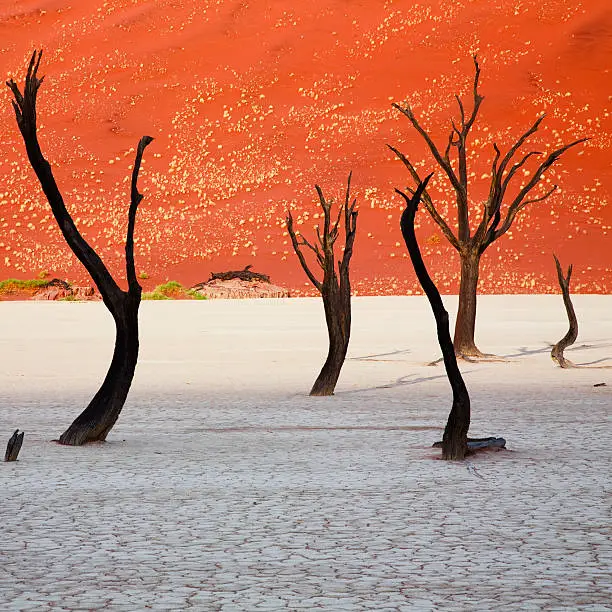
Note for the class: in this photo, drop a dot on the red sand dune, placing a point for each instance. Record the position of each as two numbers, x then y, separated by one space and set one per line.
252 102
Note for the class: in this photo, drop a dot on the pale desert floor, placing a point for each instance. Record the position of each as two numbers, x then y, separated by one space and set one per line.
225 487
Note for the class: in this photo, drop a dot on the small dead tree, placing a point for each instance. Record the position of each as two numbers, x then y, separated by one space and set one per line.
455 440
335 288
497 213
102 412
572 333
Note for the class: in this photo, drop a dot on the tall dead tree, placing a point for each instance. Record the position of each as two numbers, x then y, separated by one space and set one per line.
102 412
572 333
455 440
497 212
335 288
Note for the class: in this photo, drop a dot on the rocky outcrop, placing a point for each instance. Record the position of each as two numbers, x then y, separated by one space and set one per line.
239 289
58 289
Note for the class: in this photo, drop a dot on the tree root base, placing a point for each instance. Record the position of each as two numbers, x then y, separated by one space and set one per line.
481 358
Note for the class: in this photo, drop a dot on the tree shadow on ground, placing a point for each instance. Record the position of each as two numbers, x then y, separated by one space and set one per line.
379 356
409 379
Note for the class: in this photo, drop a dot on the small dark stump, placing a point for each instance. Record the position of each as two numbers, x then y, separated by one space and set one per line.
14 446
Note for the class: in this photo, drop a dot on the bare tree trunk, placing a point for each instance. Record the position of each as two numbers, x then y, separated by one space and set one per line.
572 333
455 441
94 423
338 318
465 324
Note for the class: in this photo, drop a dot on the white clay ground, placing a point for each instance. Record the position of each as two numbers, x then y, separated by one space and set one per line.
225 487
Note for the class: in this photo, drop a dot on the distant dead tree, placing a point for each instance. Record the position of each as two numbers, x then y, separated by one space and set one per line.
498 212
572 333
102 412
335 288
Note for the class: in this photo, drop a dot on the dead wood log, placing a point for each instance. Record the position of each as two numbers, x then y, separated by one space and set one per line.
475 444
572 333
245 275
14 446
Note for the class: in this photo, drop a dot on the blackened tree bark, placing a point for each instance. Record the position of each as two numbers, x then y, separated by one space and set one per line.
497 213
14 446
455 440
102 412
572 333
335 288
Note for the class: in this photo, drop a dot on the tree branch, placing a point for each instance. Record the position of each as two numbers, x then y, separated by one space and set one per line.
441 161
25 112
572 333
519 201
298 252
350 229
135 199
427 201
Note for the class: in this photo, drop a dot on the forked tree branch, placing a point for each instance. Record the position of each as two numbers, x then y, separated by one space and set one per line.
324 251
25 112
426 199
350 229
519 202
298 251
572 333
24 105
440 160
458 139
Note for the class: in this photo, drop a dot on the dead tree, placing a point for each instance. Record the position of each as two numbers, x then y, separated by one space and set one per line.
572 332
102 412
497 213
335 288
455 440
14 446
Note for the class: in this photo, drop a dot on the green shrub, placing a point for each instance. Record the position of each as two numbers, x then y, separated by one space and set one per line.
154 295
13 284
172 290
195 295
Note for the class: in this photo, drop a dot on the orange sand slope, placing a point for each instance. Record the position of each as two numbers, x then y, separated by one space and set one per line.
252 102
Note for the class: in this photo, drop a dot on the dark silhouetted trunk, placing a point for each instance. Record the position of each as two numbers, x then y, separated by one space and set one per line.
572 332
454 441
94 423
338 318
465 324
102 412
